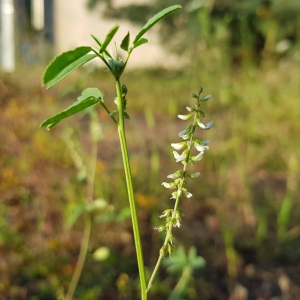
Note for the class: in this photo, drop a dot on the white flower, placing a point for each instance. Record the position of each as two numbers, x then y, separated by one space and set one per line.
177 224
200 124
167 185
178 146
185 117
174 175
190 109
186 193
160 228
186 136
179 157
174 195
166 213
206 126
200 148
198 157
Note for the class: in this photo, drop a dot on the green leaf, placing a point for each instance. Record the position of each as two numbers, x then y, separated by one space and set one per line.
140 42
177 262
90 92
202 113
125 42
100 45
89 97
198 263
192 254
126 116
109 37
75 211
154 20
96 40
112 114
65 63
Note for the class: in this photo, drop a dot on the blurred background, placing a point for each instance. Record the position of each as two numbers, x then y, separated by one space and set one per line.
240 237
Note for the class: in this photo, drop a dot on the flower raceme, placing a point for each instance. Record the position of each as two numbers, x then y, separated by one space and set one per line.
190 142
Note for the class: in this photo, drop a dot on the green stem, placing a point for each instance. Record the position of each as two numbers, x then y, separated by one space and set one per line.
81 258
88 218
136 232
109 112
181 286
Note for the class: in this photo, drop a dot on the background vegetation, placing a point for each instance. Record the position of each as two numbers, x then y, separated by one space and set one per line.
244 216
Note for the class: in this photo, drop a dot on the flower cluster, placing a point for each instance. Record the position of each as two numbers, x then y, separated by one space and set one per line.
190 142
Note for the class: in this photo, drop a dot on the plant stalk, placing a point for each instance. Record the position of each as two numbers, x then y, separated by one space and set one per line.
136 231
87 217
81 257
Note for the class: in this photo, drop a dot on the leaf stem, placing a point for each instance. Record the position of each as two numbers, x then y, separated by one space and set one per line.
135 225
109 112
103 59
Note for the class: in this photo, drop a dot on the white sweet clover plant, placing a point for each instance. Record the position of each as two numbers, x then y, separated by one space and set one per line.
190 141
174 215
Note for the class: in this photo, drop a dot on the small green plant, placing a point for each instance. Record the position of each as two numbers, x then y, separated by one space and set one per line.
183 264
70 61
